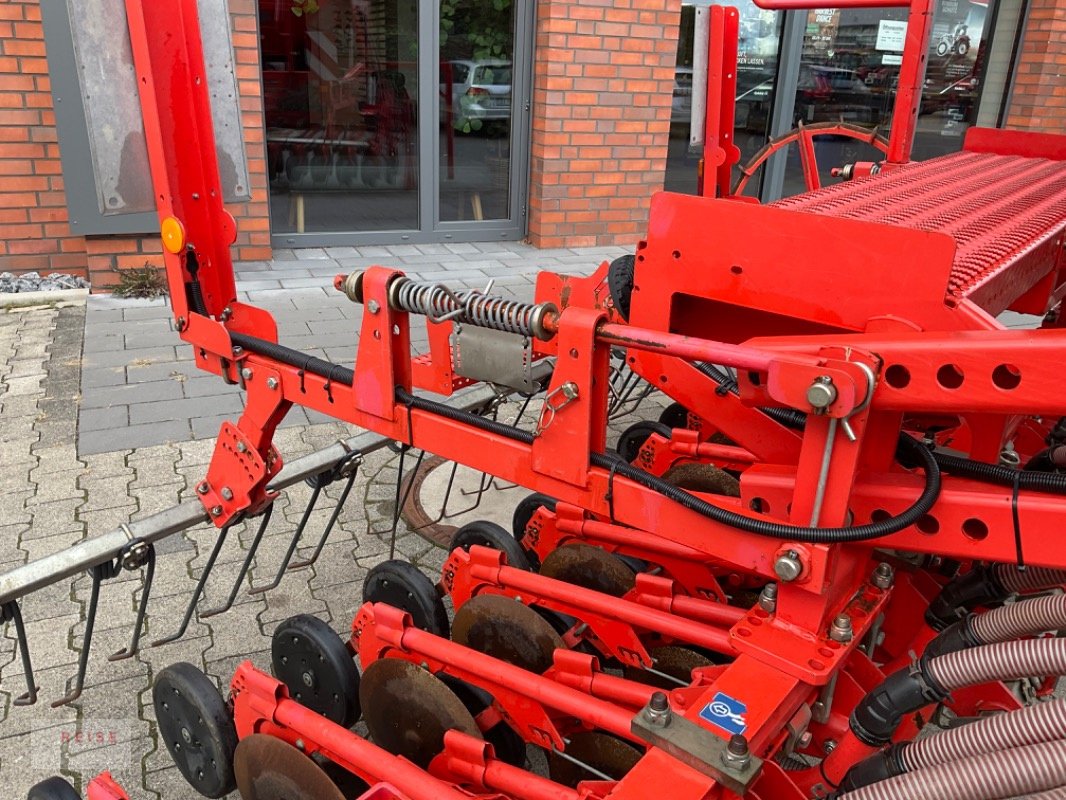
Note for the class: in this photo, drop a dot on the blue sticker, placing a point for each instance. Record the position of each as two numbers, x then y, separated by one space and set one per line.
727 713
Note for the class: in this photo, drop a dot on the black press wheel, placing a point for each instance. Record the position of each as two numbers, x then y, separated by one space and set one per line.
523 513
489 534
196 727
53 789
402 585
634 437
620 280
674 415
313 662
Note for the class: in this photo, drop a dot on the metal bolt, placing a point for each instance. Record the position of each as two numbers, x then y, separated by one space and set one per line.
822 393
1009 458
884 575
657 711
373 306
829 746
300 744
181 323
768 598
247 373
570 390
788 566
135 556
216 511
242 447
841 629
272 383
737 754
186 735
227 493
203 487
308 679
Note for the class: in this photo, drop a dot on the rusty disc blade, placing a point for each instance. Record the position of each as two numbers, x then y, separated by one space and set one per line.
505 629
589 566
602 752
677 662
408 711
705 478
268 768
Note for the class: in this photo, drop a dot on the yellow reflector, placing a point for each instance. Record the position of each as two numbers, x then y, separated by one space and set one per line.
173 235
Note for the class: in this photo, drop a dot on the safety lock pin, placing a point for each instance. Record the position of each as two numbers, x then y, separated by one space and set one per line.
569 392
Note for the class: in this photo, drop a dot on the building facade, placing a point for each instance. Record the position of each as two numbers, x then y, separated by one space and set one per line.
408 121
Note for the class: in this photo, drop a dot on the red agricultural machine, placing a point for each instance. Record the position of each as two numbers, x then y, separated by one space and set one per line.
830 569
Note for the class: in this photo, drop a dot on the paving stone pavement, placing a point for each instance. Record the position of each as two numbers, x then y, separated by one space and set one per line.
64 477
140 386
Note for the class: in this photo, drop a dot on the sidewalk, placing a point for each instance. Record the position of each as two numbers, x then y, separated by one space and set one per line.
140 387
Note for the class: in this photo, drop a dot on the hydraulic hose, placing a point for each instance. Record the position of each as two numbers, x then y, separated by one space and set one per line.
990 776
1004 476
1045 722
930 680
986 585
1058 793
776 530
1012 621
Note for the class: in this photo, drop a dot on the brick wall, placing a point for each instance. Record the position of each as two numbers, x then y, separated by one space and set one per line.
33 214
1039 98
603 82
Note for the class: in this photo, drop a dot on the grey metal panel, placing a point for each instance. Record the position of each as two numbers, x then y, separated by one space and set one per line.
784 103
428 113
83 205
225 101
522 119
98 114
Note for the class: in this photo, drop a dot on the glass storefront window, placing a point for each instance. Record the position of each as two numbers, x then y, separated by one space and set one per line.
757 53
849 71
340 84
476 108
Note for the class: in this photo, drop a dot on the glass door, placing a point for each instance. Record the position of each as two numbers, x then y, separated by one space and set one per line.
482 99
340 85
395 120
757 56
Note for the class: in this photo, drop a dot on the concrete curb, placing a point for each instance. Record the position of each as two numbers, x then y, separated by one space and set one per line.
64 296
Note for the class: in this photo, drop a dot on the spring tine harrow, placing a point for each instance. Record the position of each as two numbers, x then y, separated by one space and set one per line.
405 491
316 492
351 466
199 590
100 573
10 611
245 566
145 550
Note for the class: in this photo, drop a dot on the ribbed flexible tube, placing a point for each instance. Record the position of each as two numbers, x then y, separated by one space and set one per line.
1003 661
991 776
1030 579
1043 722
1004 476
1058 793
1024 618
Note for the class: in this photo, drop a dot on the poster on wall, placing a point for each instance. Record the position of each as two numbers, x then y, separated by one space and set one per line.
955 55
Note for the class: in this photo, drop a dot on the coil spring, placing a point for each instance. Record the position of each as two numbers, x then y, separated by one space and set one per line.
473 307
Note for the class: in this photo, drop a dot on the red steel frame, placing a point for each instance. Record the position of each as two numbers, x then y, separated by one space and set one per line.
785 655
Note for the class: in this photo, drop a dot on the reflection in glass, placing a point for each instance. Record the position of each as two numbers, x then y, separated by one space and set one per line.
340 88
476 57
850 72
757 51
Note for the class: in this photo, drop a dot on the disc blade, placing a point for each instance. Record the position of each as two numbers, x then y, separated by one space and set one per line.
268 768
508 630
408 711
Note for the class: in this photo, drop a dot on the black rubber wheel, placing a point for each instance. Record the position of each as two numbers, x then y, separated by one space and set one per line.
674 415
634 437
402 585
489 534
196 727
53 789
506 742
620 277
313 662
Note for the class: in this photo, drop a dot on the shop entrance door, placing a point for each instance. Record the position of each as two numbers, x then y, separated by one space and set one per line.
396 121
